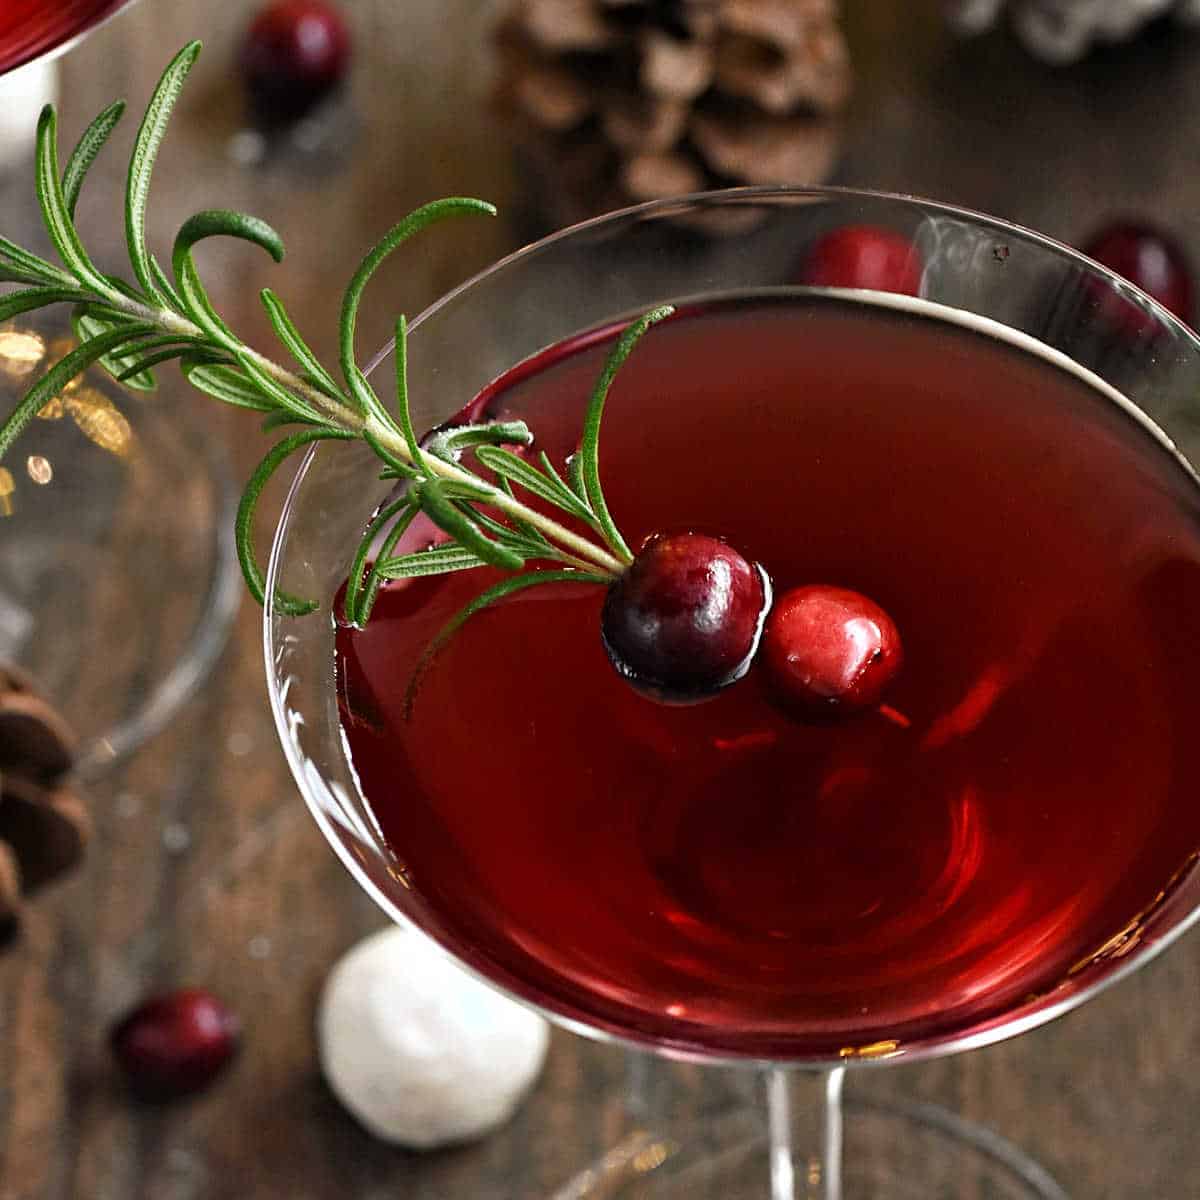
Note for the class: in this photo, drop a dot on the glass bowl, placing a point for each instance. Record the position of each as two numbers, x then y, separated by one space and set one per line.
116 604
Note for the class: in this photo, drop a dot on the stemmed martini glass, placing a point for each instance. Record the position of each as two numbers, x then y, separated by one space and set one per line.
85 537
1004 283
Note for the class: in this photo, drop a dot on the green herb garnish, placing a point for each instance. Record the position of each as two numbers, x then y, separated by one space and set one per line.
132 328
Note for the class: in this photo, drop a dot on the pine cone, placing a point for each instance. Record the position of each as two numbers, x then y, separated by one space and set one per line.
1063 31
43 825
617 101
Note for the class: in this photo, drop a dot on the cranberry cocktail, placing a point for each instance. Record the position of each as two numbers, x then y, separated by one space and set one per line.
735 876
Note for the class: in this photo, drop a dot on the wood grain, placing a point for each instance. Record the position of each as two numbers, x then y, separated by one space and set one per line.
207 869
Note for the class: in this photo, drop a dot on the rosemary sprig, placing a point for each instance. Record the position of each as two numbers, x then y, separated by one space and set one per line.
131 328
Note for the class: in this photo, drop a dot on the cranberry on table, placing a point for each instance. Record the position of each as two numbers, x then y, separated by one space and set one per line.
829 651
685 618
1149 259
175 1044
863 256
295 53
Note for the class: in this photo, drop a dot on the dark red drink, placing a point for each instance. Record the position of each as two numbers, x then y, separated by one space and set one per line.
723 877
32 27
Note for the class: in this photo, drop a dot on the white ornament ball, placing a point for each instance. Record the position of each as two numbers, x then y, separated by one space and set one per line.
419 1051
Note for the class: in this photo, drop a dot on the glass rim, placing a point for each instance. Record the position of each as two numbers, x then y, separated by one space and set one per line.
1022 1017
205 643
765 192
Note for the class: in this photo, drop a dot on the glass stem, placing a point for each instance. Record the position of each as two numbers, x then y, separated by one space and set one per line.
804 1122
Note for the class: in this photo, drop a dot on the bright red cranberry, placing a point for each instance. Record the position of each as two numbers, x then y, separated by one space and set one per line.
830 651
863 256
685 618
295 53
1150 260
175 1044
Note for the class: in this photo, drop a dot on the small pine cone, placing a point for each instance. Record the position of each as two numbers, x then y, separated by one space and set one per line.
617 101
44 826
1063 31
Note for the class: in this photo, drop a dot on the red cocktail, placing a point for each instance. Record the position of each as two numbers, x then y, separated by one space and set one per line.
730 879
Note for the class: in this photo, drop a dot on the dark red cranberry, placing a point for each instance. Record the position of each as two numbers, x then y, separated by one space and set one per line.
829 650
175 1044
685 618
863 256
295 53
1149 259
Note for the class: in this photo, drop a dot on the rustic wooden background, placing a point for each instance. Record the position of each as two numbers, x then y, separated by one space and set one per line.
206 867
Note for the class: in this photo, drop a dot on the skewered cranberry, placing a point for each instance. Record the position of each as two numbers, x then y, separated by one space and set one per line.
863 256
295 53
829 650
685 618
1149 259
175 1044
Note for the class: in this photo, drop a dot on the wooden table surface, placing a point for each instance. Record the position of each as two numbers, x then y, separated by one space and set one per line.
250 902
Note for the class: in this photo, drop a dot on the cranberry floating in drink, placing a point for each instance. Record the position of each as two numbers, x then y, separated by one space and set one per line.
830 651
685 618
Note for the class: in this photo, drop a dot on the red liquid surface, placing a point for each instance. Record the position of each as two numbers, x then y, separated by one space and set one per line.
721 878
32 27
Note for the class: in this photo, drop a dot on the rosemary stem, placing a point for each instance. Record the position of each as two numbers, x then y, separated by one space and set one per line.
340 414
581 549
